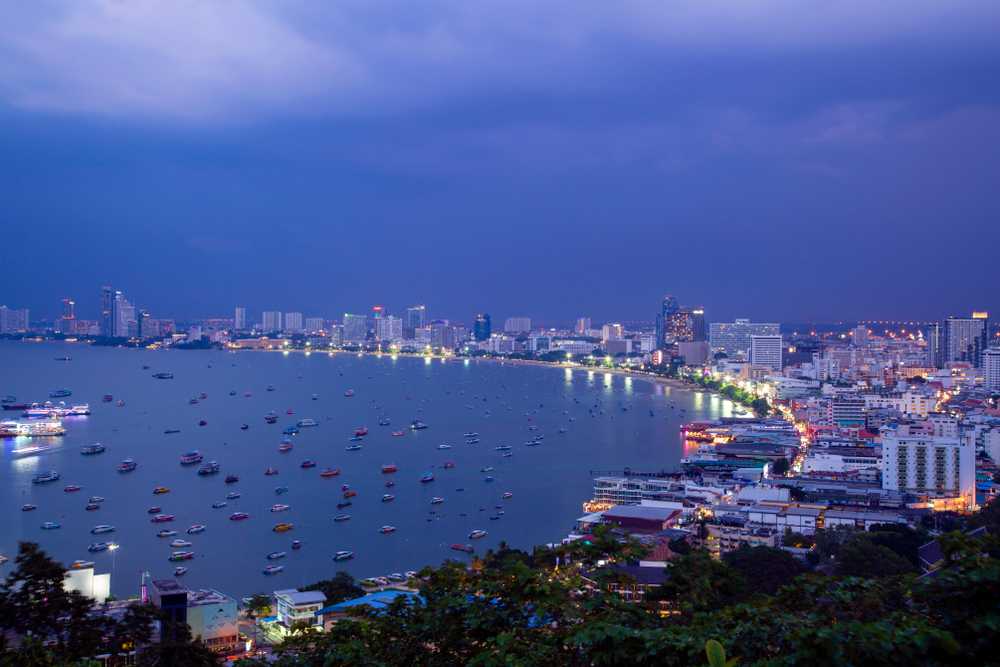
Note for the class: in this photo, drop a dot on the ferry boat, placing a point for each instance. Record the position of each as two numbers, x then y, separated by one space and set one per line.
276 555
210 468
28 507
60 393
238 516
31 429
91 450
385 530
389 469
50 525
283 527
45 477
329 472
272 570
388 498
166 533
343 555
477 534
352 448
163 375
342 517
101 529
179 543
232 479
427 478
180 571
308 463
72 488
196 528
128 465
192 457
160 490
162 518
361 431
181 555
437 500
507 495
97 547
232 495
306 423
417 425
279 507
271 471
219 504
466 548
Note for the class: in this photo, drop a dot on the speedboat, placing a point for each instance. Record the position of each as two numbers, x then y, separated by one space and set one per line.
160 490
162 518
192 457
329 472
477 534
296 544
308 463
232 479
283 527
388 498
179 543
166 533
436 500
275 555
45 477
361 431
219 504
232 495
155 509
306 423
91 450
103 528
507 495
180 571
389 469
342 517
271 570
28 507
427 477
181 555
385 530
72 488
97 546
211 468
50 525
467 548
196 528
238 516
128 465
343 555
278 507
353 448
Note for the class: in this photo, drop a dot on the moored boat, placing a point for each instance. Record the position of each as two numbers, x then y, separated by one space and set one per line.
279 507
196 528
342 517
128 465
162 518
329 472
160 490
272 570
276 555
166 533
91 450
388 498
181 555
45 477
343 555
389 469
477 534
101 529
467 548
179 543
191 458
238 516
385 530
283 527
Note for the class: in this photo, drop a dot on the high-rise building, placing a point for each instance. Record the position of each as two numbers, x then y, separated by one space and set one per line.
482 327
991 366
108 316
928 458
766 351
389 329
583 325
125 325
965 338
14 320
293 322
935 349
442 334
517 325
668 308
355 328
240 320
734 337
270 321
612 331
67 325
314 324
416 317
859 336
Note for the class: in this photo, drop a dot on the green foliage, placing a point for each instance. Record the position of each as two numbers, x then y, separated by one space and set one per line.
861 556
337 589
764 569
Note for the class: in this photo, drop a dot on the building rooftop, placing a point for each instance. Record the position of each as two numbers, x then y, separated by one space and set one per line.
207 596
378 600
298 597
645 512
168 586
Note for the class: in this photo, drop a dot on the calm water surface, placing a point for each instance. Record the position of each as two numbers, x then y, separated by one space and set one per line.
611 422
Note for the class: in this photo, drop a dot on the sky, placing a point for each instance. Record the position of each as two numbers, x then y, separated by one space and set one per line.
781 160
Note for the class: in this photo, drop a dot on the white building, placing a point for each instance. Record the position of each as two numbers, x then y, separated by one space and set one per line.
929 458
766 351
991 368
240 320
612 331
389 329
517 325
271 320
292 605
293 322
84 581
841 459
314 324
734 337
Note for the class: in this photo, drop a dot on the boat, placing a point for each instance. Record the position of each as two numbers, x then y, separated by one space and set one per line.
348 393
444 446
343 555
166 533
486 469
503 448
203 396
50 525
155 509
196 528
470 434
296 544
350 493
385 530
32 429
345 503
210 468
308 463
162 518
202 422
60 393
507 495
107 398
180 571
352 448
271 570
437 500
361 431
417 425
342 517
72 488
232 392
281 490
181 555
467 548
98 546
388 498
171 431
271 419
120 403
283 527
238 516
245 427
45 477
28 507
193 401
279 507
290 430
398 434
232 495
383 421
160 490
306 423
192 457
16 406
276 555
285 447
389 469
315 397
101 529
488 478
232 479
163 375
477 534
427 477
329 472
219 504
396 577
179 543
271 471
79 410
128 465
448 465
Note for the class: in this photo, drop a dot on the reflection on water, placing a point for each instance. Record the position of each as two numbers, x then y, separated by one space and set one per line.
628 384
699 400
568 375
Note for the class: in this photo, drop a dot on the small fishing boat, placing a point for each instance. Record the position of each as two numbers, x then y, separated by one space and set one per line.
50 525
296 544
97 547
191 458
232 495
388 498
343 555
28 507
329 472
160 490
389 469
171 431
239 516
72 488
353 448
271 471
180 571
272 570
101 529
308 463
128 465
427 477
350 493
219 504
276 555
181 555
283 527
179 543
196 528
92 450
166 533
342 517
437 500
507 495
279 507
232 479
385 530
477 534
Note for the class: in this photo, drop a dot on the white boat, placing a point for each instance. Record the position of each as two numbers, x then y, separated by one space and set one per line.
477 534
98 530
305 423
196 528
279 507
179 543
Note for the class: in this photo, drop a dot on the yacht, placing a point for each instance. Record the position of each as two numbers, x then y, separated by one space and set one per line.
238 516
219 504
196 528
50 525
342 517
343 555
192 457
437 500
128 465
477 534
28 507
180 571
45 477
232 495
101 529
179 543
507 495
417 425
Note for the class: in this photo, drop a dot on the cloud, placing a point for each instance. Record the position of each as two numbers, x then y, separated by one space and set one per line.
223 61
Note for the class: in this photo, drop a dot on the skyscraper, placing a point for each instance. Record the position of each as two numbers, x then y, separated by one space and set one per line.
583 325
991 364
482 327
240 320
416 317
67 322
108 316
517 325
935 350
668 308
355 328
14 320
293 322
965 338
389 329
271 321
734 337
766 351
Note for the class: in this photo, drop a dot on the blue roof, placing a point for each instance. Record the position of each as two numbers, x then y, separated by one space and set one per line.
378 600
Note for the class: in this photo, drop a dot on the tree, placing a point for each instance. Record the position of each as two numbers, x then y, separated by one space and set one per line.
764 569
697 582
337 589
862 557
